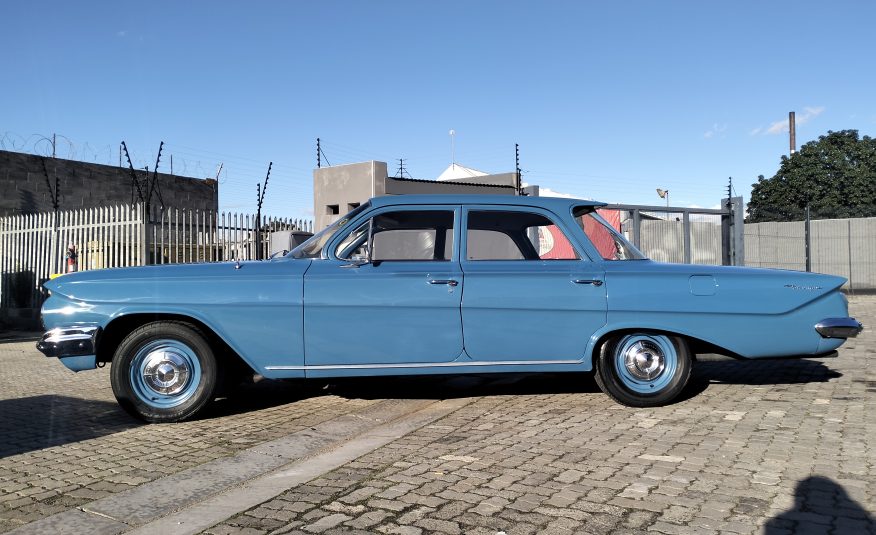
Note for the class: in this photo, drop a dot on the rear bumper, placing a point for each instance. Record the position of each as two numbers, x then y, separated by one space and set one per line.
63 342
839 327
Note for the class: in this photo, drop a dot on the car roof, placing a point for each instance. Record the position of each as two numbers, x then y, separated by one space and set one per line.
551 203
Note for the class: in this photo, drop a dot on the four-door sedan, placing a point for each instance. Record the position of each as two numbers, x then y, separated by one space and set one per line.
435 284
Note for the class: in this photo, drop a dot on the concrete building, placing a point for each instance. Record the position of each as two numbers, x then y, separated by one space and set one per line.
89 185
339 189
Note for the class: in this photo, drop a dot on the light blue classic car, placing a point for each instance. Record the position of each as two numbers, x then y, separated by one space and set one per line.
435 285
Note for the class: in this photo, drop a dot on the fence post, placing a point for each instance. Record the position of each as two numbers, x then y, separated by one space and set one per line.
849 235
725 233
144 233
637 229
807 241
687 236
738 233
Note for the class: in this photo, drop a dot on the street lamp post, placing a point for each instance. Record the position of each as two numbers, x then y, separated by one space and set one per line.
664 194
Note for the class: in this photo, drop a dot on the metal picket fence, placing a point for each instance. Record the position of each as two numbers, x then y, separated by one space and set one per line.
35 246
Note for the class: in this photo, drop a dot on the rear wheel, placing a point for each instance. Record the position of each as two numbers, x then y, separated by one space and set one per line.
643 369
164 371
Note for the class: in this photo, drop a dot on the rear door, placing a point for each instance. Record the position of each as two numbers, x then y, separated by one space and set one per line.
530 293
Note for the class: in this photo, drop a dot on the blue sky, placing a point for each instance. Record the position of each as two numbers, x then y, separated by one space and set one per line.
607 100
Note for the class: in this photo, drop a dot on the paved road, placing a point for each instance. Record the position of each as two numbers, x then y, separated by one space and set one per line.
755 447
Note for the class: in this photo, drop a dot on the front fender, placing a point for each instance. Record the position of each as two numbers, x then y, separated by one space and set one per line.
256 309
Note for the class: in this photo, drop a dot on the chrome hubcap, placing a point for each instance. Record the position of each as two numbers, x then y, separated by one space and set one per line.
644 360
166 371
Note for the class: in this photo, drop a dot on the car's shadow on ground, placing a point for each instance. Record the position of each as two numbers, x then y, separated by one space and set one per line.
266 393
719 370
38 422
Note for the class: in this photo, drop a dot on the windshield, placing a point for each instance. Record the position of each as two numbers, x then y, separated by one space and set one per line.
313 247
610 243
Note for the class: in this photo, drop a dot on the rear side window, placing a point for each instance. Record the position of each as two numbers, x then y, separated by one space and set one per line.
515 235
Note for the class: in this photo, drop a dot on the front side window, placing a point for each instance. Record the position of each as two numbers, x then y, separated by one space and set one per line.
608 241
517 235
406 235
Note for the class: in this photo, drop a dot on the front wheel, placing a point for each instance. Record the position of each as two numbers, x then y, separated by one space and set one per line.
643 369
164 371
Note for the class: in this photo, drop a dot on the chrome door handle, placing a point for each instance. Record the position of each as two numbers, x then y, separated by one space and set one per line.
594 282
449 282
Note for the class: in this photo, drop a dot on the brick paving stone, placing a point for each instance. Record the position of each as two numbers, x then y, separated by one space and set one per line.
326 522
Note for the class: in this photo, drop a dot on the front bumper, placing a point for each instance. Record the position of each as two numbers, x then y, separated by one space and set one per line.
839 328
63 342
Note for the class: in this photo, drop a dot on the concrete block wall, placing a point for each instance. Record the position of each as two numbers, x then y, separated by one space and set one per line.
844 247
86 185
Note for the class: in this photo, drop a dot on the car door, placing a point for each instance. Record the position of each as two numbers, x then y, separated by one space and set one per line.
388 294
531 294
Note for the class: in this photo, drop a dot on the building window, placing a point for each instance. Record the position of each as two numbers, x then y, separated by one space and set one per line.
352 206
332 209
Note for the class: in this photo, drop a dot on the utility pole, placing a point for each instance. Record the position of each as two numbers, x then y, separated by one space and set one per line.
792 130
135 182
517 168
54 195
400 173
320 155
260 196
453 148
151 188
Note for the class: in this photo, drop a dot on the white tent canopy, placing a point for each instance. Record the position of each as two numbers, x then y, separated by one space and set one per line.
459 172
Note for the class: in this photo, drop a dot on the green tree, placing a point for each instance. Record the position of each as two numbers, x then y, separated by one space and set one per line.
835 175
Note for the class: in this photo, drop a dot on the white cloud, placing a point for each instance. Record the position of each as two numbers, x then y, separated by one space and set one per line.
716 129
782 126
756 131
122 33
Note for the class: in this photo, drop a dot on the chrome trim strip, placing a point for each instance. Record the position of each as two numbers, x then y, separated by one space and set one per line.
423 365
69 342
839 327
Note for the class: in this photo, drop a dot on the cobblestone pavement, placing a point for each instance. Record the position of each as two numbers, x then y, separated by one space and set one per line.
758 447
65 442
774 447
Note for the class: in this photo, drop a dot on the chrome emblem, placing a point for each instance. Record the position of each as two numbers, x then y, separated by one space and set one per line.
804 288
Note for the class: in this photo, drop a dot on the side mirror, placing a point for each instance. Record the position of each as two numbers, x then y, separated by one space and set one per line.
355 262
360 259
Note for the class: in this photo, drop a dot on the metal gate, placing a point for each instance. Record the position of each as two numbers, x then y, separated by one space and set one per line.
685 235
